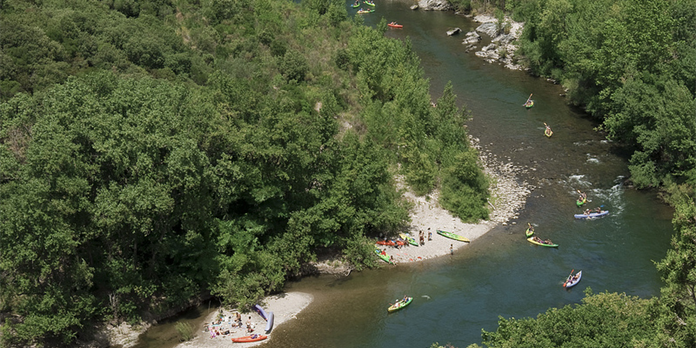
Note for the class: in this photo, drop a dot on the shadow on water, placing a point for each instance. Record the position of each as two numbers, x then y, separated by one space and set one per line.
499 274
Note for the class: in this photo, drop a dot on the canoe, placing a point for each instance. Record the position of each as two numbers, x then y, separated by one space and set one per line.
592 215
369 3
571 283
531 240
395 25
355 5
251 338
548 132
579 203
452 236
365 11
408 238
400 304
528 233
267 316
383 257
385 242
529 104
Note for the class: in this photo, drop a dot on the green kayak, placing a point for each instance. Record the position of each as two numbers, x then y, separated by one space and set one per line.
400 304
383 256
548 245
408 238
581 202
528 233
452 236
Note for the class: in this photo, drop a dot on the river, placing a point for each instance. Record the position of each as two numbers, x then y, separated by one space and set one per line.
499 274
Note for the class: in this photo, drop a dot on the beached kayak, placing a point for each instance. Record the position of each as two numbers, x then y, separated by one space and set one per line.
400 304
408 238
251 338
385 242
552 245
592 215
452 236
383 256
572 281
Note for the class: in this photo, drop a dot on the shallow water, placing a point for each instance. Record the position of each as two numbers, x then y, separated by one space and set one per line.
499 274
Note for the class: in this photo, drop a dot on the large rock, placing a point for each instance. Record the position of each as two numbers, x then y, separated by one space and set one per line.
453 31
472 38
488 28
434 5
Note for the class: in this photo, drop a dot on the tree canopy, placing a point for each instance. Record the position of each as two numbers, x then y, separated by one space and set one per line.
155 152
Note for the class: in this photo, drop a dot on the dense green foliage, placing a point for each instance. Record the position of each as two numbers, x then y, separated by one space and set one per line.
152 152
630 63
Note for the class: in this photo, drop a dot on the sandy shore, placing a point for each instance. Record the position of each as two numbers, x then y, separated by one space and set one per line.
284 306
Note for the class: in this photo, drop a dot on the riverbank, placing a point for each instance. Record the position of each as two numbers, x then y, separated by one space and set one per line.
508 197
285 306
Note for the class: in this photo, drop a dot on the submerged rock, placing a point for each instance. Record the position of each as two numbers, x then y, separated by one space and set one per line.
453 31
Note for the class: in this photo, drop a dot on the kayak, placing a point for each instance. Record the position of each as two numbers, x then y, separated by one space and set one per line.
569 283
592 215
252 338
580 203
369 3
400 304
382 256
408 238
548 133
355 5
365 11
394 25
531 240
528 233
385 242
452 236
529 104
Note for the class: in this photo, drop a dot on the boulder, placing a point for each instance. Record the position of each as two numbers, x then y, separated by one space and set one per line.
504 39
472 38
453 31
434 5
488 28
414 7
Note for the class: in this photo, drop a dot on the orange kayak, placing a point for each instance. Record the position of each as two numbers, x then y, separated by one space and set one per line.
252 338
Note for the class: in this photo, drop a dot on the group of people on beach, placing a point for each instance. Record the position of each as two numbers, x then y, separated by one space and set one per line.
225 325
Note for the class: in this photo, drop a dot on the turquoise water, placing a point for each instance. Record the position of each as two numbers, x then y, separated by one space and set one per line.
499 274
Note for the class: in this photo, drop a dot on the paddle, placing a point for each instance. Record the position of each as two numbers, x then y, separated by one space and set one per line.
568 279
530 97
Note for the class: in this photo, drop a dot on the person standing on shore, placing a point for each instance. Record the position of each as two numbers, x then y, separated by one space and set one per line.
430 235
451 249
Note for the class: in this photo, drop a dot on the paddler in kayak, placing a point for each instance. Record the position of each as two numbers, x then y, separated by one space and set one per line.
583 196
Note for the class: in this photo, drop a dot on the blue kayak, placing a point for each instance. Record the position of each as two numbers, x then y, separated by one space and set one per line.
592 215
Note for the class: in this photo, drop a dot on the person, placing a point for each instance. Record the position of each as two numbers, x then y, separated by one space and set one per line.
422 238
391 258
384 252
587 211
430 235
357 2
547 242
583 196
451 249
531 228
598 209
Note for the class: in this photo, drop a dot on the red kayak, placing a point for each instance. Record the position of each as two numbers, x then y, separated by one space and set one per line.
385 242
394 25
252 338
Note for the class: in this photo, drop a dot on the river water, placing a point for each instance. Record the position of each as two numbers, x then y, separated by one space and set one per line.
499 274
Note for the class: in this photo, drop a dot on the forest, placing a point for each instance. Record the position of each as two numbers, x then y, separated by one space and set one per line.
631 64
154 153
